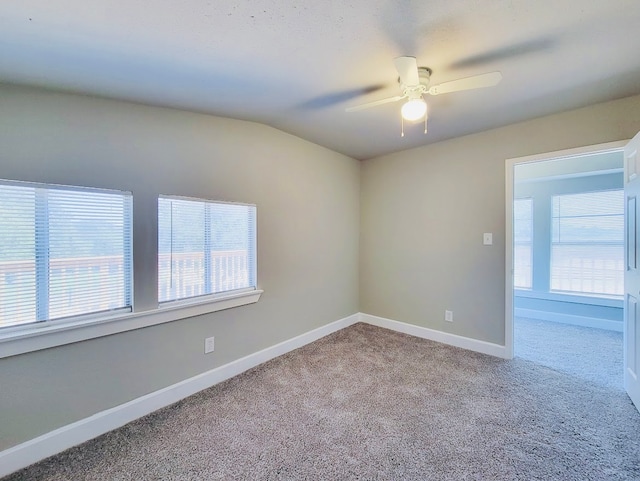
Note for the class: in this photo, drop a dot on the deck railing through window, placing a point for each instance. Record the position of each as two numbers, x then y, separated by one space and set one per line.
68 276
230 271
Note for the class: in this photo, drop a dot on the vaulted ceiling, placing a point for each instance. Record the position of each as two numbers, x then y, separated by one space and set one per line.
296 65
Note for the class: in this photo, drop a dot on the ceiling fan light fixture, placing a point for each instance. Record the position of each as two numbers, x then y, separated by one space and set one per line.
414 110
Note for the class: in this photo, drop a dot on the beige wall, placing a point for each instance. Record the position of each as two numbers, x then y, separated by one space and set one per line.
308 221
419 216
424 212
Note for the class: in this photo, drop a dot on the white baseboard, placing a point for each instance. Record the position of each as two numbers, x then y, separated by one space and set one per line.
596 322
438 336
56 441
63 438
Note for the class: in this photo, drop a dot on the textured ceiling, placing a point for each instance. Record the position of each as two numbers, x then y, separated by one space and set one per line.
296 65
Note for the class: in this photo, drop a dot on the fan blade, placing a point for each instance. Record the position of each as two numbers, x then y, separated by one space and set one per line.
375 103
407 68
476 82
515 50
328 100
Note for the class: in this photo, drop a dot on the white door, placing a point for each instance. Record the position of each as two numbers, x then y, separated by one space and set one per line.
632 271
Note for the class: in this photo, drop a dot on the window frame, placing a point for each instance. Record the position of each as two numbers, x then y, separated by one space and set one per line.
42 247
553 243
25 338
212 296
530 244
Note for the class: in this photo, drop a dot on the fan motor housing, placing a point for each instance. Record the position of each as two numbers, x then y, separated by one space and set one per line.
416 91
424 74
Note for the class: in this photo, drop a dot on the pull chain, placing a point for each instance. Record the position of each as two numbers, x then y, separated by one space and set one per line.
402 124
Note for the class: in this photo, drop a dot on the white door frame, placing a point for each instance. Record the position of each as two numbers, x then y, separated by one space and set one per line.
510 164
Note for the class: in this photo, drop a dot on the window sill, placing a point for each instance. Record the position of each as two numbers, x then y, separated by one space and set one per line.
610 301
47 335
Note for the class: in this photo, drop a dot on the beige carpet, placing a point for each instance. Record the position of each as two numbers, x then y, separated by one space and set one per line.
370 404
594 355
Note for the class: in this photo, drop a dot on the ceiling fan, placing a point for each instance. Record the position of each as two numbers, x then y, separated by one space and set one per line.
414 84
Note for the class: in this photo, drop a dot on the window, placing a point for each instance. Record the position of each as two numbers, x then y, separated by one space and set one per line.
204 247
587 248
64 252
522 243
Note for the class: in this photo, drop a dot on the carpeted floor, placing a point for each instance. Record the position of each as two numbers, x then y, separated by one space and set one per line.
366 403
594 355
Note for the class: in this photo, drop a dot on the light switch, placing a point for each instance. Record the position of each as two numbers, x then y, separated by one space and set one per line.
487 238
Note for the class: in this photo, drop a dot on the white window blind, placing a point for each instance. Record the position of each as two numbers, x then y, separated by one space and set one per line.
522 243
64 252
587 249
204 247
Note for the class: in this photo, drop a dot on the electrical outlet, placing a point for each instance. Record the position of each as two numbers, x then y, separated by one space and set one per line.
209 345
448 316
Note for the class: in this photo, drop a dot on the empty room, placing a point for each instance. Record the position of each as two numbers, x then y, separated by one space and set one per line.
283 239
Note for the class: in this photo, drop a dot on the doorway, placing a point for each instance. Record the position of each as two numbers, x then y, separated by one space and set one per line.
565 261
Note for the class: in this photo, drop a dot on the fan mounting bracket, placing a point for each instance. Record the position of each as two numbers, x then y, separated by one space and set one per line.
424 73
